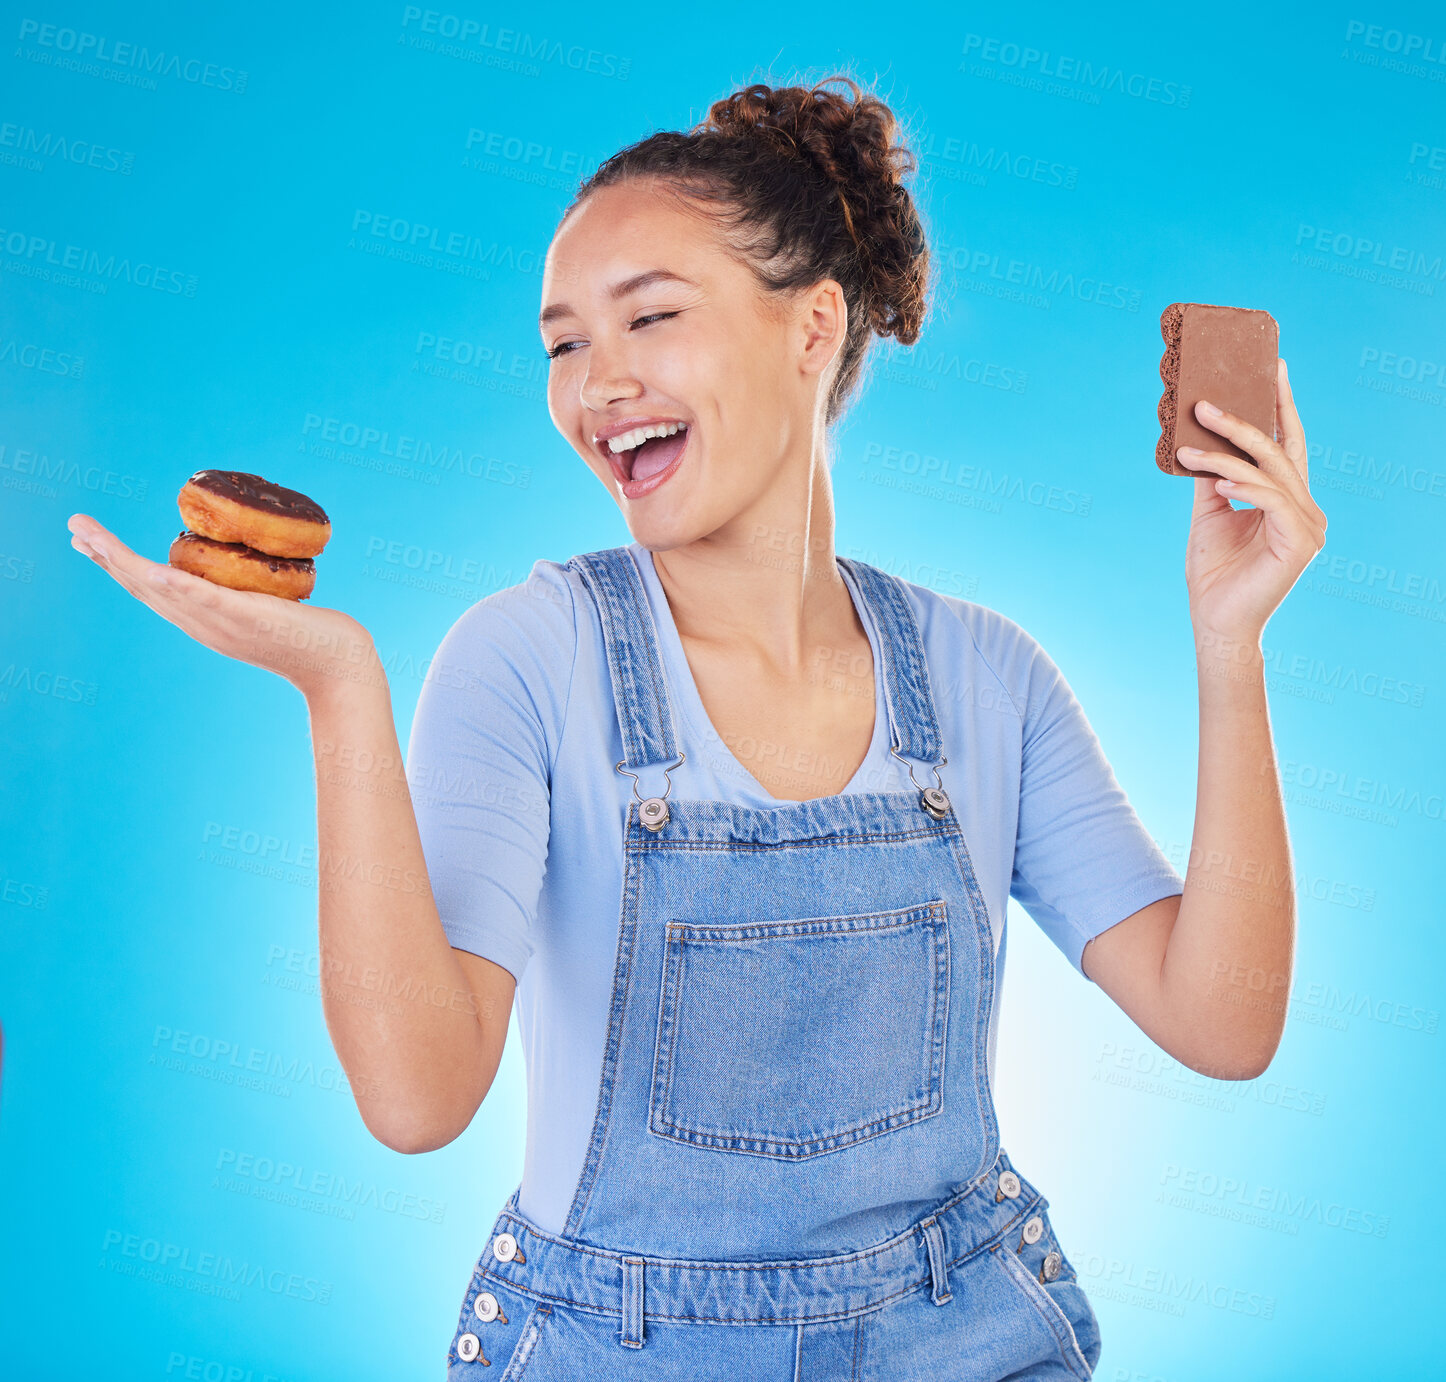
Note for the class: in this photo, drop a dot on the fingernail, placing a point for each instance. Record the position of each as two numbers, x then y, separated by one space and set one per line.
1191 451
1209 409
98 549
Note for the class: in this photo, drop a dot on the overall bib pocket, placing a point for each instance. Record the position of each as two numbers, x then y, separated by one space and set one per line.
795 1038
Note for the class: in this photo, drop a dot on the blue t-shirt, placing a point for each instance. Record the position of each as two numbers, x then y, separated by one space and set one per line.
521 811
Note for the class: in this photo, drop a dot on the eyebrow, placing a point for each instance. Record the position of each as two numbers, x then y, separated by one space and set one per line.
621 289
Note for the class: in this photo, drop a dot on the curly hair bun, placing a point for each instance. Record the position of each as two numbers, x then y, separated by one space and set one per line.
804 184
851 144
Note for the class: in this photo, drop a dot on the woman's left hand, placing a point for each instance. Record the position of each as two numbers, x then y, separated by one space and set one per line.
1242 562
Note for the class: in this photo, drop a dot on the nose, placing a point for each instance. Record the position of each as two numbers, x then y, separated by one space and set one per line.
607 377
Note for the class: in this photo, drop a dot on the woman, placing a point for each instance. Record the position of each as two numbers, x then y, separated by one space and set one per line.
761 1132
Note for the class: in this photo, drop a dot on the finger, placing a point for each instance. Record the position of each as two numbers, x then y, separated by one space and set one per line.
1287 424
114 552
1272 461
128 583
1224 465
1245 435
1208 500
1232 469
179 597
98 540
1297 451
1297 527
83 526
149 581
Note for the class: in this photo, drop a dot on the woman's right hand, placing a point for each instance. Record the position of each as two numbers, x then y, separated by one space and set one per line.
314 648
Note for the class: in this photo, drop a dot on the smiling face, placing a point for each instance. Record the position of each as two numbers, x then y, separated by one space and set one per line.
651 321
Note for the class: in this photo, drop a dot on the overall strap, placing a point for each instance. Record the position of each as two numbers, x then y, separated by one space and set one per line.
640 690
630 636
906 671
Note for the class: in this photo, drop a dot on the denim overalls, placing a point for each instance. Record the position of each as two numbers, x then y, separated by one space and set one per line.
795 1172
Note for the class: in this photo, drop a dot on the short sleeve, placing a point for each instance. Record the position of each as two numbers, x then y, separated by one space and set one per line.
1082 861
479 762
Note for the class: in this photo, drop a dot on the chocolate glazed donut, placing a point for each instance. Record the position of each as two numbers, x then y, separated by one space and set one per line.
230 506
241 567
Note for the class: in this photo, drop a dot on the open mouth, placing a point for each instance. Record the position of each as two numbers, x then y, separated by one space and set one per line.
649 457
654 455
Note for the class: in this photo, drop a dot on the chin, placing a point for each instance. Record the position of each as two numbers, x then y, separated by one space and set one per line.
662 532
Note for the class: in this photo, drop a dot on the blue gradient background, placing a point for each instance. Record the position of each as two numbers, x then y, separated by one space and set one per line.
126 917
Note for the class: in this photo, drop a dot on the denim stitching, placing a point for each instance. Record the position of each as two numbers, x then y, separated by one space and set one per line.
648 630
655 1115
933 913
644 717
722 823
899 722
820 842
1023 1210
606 614
610 1064
622 968
757 1146
1028 1200
1048 1309
938 1271
633 1328
911 680
979 910
991 1243
526 1342
728 932
881 637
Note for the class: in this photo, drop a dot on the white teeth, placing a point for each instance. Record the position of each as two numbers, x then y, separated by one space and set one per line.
628 440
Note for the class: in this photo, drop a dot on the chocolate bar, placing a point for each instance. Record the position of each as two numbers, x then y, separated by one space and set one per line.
1226 355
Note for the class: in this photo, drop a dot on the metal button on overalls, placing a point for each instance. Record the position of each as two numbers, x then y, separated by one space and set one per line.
485 1306
794 1129
936 802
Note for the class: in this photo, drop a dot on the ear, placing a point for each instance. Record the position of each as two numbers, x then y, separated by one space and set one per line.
823 319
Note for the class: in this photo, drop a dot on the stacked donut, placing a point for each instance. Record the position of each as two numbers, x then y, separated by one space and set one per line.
248 534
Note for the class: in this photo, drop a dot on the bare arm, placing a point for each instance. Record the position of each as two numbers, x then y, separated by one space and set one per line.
419 1035
1207 975
418 1026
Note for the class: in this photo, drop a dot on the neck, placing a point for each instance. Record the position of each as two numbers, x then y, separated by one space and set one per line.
767 580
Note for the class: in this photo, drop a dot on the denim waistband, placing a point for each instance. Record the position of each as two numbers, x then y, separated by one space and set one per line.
587 1277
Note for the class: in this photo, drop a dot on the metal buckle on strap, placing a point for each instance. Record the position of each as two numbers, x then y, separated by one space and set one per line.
654 810
934 800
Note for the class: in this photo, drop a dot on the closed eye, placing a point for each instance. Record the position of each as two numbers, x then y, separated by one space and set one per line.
563 347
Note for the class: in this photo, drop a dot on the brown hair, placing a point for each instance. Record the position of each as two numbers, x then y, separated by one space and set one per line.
805 184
